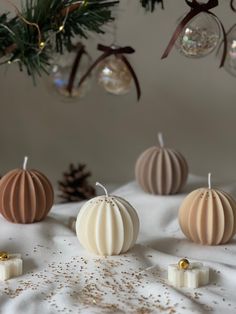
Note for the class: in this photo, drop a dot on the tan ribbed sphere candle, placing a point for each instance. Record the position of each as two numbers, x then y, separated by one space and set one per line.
161 170
26 196
208 216
107 225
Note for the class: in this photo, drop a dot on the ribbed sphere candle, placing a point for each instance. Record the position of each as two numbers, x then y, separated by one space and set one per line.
107 225
208 216
26 196
161 170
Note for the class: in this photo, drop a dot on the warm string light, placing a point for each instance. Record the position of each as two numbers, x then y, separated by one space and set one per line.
41 44
32 24
60 29
10 61
27 22
8 29
12 33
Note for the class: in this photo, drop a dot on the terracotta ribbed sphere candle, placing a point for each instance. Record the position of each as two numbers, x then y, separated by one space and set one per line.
26 196
161 170
107 225
208 216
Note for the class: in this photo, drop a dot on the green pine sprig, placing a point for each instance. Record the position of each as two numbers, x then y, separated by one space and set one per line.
151 4
32 47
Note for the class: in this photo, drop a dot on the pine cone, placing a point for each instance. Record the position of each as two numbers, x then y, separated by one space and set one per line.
75 187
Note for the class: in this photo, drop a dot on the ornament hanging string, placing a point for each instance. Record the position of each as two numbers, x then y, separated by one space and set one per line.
119 52
227 34
75 67
232 6
195 9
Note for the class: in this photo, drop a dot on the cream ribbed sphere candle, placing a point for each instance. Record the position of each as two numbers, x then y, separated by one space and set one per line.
161 170
208 216
107 225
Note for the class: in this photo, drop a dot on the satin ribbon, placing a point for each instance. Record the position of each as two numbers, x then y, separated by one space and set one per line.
197 8
75 67
119 52
232 6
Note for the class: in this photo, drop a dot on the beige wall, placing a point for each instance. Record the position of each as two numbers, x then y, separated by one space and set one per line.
192 102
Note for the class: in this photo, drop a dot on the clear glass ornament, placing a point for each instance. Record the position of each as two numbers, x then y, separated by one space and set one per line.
199 37
61 67
230 61
114 76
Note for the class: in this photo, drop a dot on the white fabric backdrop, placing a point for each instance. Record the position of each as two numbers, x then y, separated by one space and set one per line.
61 277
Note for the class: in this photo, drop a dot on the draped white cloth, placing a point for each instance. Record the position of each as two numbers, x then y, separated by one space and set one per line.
61 277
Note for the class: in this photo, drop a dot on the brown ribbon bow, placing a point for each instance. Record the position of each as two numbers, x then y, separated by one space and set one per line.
75 67
119 52
197 8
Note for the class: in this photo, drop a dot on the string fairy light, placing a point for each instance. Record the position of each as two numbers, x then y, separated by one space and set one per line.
27 22
8 29
60 29
39 37
41 44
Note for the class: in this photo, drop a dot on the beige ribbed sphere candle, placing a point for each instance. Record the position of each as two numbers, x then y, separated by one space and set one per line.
107 225
161 170
208 216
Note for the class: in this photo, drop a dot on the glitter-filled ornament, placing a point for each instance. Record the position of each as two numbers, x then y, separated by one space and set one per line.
230 61
60 75
114 76
115 73
199 37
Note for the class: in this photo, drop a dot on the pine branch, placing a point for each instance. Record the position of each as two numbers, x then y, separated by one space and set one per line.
30 36
151 4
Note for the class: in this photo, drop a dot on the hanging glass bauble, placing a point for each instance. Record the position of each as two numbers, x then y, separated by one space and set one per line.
60 74
114 76
230 61
199 37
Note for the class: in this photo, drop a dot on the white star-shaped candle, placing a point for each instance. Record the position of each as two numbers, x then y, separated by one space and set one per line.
188 275
11 265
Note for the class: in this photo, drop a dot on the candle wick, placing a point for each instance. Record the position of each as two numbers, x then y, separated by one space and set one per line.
25 163
103 187
209 181
160 139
